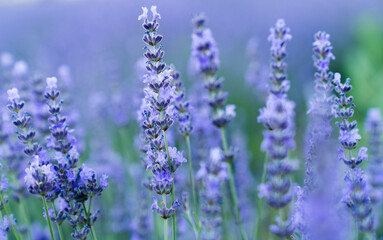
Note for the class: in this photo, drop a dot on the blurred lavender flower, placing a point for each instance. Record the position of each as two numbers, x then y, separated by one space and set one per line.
212 174
181 105
356 196
319 191
374 127
256 74
205 54
278 119
244 179
320 109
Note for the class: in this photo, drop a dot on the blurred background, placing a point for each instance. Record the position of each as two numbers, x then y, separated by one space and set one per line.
100 42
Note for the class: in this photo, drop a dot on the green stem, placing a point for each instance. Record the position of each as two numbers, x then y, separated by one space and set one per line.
195 210
174 223
58 225
260 200
48 218
165 221
7 212
26 217
233 189
22 208
156 227
91 225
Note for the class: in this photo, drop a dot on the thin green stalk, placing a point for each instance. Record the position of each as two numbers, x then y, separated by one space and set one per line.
165 221
260 200
26 217
91 226
356 230
195 210
233 189
48 218
156 227
7 212
22 208
174 223
58 225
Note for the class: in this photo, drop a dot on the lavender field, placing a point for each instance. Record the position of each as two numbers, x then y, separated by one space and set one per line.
204 119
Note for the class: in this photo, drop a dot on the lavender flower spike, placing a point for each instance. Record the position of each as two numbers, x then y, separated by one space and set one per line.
278 119
212 175
317 199
205 56
357 194
374 127
22 121
157 115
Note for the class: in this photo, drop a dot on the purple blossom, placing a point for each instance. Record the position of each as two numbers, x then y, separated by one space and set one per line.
256 74
278 119
157 114
3 183
40 178
212 174
205 56
357 193
374 127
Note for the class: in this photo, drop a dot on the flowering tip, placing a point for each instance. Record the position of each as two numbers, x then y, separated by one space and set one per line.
280 23
52 82
13 94
144 15
156 15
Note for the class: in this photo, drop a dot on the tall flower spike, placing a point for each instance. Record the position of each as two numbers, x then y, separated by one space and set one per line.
75 185
278 119
205 55
212 174
157 115
357 194
374 127
23 122
319 190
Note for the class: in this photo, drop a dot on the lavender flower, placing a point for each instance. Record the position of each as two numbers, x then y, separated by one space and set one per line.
356 196
40 177
374 127
319 191
212 174
320 109
256 74
206 56
22 120
181 105
157 116
278 119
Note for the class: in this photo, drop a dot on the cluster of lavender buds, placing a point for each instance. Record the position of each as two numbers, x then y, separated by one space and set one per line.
22 120
321 107
8 221
374 127
53 173
278 119
157 116
256 74
181 105
212 174
357 194
205 55
319 191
